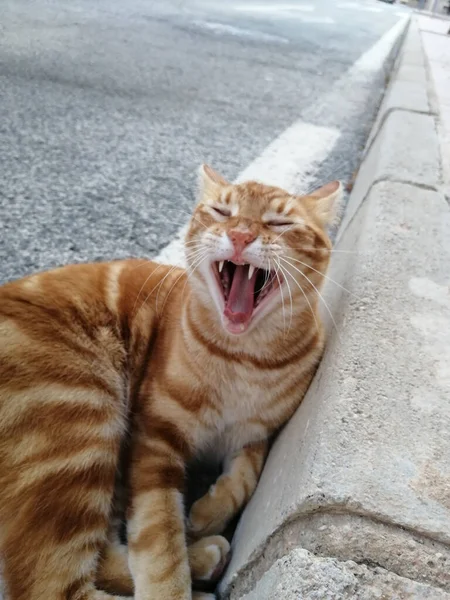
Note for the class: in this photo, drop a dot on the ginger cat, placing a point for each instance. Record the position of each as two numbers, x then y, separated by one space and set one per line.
133 367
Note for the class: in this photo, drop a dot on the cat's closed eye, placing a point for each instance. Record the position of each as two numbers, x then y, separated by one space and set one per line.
222 211
280 223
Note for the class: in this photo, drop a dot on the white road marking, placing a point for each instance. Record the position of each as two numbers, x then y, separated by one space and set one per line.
288 10
371 59
293 158
315 19
273 8
358 6
222 28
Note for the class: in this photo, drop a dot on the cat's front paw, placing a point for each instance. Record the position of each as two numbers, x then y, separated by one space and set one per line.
209 515
208 558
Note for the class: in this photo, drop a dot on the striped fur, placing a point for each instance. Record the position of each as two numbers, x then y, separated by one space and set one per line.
126 368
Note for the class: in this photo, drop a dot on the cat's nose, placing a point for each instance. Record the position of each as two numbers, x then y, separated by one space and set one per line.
241 238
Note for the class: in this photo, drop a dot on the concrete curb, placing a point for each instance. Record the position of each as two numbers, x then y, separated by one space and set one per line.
362 471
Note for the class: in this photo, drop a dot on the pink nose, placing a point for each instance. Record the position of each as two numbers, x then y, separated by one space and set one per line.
241 238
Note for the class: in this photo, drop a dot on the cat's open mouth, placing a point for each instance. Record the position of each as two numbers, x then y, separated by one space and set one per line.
245 290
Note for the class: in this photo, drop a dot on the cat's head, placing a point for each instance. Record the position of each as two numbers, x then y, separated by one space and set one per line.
257 252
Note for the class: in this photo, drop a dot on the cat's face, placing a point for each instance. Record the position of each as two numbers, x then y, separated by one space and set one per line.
257 252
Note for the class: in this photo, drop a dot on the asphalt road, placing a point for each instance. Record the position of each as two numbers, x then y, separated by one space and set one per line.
107 108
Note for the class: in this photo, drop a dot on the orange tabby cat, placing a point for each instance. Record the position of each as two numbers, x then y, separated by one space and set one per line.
153 365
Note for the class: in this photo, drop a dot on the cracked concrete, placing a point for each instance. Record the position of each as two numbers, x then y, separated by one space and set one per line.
358 538
300 574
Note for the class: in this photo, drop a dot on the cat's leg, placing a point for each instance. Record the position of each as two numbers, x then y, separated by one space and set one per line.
156 530
207 560
234 488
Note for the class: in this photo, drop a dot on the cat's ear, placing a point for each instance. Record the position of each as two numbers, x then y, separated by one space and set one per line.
210 183
325 202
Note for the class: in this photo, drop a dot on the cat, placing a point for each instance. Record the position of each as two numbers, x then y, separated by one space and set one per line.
156 365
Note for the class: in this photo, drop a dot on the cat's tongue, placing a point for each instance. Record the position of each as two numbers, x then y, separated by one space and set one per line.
239 306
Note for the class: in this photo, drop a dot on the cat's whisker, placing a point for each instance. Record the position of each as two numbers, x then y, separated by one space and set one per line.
283 232
190 268
194 241
287 272
197 243
346 252
325 276
193 245
268 277
282 299
193 251
159 291
146 261
149 262
158 285
290 294
196 264
142 287
194 256
328 250
318 293
170 291
197 246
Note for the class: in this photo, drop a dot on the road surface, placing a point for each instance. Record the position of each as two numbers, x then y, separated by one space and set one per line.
108 107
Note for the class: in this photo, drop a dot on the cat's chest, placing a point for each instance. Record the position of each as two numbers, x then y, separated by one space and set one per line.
240 396
234 418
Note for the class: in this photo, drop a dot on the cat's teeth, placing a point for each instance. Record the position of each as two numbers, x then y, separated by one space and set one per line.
251 270
221 266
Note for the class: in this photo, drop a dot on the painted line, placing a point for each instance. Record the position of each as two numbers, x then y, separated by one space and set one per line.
288 11
273 8
294 157
361 7
291 159
315 19
370 60
222 28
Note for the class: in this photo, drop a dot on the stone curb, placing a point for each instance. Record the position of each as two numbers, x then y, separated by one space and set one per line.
409 83
362 471
321 578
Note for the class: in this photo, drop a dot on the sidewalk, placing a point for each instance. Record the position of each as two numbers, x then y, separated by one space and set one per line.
354 501
436 43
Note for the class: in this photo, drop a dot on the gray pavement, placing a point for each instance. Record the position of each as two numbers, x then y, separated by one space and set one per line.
107 108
